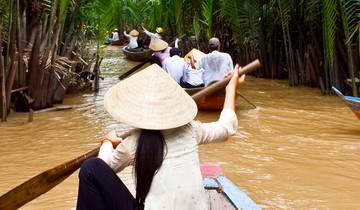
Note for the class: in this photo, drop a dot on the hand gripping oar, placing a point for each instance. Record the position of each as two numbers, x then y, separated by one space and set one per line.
213 88
47 180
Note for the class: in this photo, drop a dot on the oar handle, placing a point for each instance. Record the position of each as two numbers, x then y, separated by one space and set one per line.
46 180
213 88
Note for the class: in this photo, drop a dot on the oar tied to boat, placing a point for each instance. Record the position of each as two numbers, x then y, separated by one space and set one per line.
48 179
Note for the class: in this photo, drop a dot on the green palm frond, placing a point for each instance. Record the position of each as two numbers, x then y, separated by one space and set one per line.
350 16
197 29
230 11
351 13
312 11
4 20
329 36
177 8
250 16
207 13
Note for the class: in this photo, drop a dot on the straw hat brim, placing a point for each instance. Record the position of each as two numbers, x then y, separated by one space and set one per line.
134 33
150 100
158 44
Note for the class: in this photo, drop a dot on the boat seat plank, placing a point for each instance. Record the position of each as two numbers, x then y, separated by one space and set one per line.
236 196
217 201
210 183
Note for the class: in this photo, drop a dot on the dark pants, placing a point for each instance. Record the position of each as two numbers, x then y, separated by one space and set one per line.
187 85
101 189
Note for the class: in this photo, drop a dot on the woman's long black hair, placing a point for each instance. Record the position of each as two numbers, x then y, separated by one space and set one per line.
150 153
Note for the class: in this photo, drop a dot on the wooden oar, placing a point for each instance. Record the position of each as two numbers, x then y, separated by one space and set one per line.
213 88
47 180
133 69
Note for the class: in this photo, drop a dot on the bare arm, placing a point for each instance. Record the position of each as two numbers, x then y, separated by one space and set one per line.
191 58
125 34
227 123
231 88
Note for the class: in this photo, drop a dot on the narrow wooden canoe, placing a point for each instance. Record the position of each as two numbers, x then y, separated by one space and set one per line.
225 195
352 102
137 55
213 102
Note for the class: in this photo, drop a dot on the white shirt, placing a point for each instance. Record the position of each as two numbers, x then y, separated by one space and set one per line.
194 77
132 41
174 66
115 36
216 65
178 183
152 35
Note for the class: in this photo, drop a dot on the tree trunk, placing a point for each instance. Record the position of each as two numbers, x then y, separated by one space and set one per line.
10 78
2 84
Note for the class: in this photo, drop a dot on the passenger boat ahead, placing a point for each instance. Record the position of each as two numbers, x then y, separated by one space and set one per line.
352 102
213 102
139 54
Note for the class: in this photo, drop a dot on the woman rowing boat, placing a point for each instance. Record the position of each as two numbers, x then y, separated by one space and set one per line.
164 151
133 39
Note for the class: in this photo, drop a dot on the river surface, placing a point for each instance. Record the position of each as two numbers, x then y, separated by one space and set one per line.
296 150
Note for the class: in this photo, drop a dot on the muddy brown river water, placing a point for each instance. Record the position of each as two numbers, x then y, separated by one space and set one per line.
296 150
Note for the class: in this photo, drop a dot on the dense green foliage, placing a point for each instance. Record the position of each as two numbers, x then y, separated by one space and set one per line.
308 42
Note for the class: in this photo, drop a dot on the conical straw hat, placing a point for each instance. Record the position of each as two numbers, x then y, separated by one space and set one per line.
150 99
158 44
196 53
134 33
159 30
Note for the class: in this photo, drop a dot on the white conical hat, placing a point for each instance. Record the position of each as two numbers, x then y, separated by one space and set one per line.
134 33
150 99
158 44
197 54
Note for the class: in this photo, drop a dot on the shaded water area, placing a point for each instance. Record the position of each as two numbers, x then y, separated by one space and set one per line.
296 150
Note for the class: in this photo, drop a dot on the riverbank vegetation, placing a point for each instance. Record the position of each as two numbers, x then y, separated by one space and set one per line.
41 44
312 43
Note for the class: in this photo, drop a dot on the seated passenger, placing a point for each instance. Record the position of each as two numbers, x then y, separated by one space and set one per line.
132 36
175 65
115 35
192 77
161 51
216 64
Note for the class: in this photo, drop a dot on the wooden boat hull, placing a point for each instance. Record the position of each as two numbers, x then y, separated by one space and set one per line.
213 102
352 102
225 195
139 55
117 42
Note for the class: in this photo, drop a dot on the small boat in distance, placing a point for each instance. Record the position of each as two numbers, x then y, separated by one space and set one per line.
139 54
352 102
